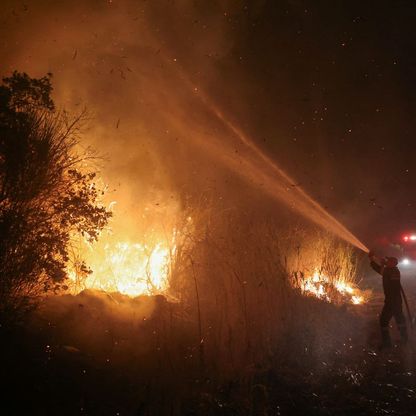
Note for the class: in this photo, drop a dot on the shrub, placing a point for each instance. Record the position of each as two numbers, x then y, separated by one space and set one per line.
47 191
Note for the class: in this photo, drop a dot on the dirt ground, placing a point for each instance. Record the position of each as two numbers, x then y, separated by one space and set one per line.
49 368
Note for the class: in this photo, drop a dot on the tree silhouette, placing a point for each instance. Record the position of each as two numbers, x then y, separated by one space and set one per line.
48 192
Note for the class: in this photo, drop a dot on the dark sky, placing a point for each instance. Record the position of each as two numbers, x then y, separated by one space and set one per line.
333 95
326 88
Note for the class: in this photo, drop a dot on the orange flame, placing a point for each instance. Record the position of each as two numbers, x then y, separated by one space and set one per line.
132 269
323 287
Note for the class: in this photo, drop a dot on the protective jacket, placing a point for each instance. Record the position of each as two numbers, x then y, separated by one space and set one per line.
391 282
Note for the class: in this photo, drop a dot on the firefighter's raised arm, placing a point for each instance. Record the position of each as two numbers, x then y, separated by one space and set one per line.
373 262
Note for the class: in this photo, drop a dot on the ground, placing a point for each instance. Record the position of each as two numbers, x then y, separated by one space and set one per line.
111 366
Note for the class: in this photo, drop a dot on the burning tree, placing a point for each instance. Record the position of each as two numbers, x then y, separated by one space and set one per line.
48 191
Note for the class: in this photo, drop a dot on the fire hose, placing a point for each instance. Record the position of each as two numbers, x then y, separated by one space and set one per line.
407 307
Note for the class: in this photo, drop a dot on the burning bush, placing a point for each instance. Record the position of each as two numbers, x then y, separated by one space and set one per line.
47 194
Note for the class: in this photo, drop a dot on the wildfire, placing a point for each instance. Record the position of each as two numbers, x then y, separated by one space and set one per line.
329 290
132 269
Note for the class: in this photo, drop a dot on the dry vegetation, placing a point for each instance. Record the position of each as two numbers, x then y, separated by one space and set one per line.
235 273
46 192
233 337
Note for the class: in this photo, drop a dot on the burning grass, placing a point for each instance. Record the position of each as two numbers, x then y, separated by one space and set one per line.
236 276
330 290
316 263
132 269
239 320
322 266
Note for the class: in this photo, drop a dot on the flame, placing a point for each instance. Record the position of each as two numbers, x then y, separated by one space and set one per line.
132 269
322 287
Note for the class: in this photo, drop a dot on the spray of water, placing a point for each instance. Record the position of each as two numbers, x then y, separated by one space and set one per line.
299 200
251 162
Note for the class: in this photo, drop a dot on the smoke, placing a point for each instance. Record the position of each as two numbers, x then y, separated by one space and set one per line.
91 322
142 69
99 306
124 62
115 58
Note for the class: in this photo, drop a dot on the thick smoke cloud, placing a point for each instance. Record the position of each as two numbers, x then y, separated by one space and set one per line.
119 60
316 87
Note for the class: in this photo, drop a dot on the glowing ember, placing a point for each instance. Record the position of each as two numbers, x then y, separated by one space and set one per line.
328 289
130 268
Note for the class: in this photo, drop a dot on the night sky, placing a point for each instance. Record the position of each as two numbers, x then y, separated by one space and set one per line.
326 88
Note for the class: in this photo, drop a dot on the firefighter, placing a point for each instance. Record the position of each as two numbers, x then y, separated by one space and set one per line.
387 267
